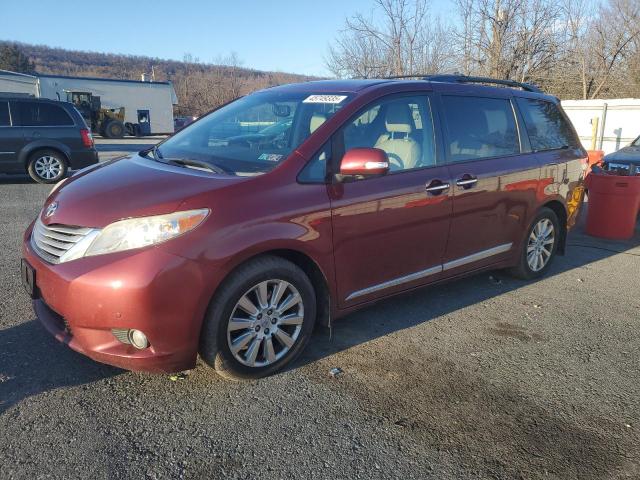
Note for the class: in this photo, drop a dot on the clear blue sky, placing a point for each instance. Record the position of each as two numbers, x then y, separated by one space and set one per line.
284 35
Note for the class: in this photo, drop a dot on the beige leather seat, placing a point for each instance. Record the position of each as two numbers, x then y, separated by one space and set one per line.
317 119
403 151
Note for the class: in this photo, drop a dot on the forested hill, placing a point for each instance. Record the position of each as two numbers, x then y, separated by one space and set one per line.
199 86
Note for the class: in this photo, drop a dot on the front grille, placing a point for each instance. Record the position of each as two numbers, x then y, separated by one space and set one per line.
50 242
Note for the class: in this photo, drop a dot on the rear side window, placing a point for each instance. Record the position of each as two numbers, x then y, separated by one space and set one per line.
5 120
33 114
546 126
479 127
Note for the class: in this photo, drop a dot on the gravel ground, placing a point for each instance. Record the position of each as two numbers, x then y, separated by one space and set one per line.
487 377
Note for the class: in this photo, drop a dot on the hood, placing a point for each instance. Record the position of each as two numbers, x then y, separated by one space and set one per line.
626 154
129 187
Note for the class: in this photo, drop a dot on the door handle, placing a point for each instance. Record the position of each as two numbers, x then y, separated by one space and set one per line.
467 181
436 187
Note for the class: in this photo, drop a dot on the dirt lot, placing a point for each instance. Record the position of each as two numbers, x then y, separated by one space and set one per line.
488 377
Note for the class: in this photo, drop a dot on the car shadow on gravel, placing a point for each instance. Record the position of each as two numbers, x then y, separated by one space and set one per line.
16 179
428 303
494 431
33 362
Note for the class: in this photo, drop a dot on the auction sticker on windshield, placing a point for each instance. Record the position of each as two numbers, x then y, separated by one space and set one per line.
324 99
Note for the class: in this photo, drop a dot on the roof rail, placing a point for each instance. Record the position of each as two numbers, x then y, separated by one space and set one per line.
466 79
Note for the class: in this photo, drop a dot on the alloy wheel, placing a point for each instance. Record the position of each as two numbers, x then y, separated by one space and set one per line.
265 323
540 244
48 167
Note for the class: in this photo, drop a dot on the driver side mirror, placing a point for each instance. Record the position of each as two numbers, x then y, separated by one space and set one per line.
364 162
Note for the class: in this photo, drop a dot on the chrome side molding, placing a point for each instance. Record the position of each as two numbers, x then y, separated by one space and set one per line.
477 256
396 281
432 271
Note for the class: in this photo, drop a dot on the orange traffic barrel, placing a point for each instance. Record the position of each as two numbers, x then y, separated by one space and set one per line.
614 204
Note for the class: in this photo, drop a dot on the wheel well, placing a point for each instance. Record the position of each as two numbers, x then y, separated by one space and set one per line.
40 149
561 213
311 269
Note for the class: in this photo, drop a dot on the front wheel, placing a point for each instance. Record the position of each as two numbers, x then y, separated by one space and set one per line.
539 247
260 319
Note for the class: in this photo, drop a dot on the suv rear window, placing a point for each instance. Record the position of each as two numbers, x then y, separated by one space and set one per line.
479 127
546 126
5 120
33 114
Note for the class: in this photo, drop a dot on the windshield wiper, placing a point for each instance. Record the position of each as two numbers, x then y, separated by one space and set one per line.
195 164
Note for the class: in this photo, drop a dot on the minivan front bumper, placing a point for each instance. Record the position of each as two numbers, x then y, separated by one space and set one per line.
82 301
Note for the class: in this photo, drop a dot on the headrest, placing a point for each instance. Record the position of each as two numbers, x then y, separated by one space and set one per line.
317 119
399 118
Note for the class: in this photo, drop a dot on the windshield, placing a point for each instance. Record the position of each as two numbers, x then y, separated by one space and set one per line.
636 142
252 134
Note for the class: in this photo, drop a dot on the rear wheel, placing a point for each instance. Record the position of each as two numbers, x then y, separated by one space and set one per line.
114 129
47 166
540 246
260 319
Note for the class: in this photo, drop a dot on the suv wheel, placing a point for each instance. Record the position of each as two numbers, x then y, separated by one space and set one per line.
47 166
539 246
260 319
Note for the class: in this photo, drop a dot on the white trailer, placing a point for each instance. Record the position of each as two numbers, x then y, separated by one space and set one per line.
12 82
143 101
613 124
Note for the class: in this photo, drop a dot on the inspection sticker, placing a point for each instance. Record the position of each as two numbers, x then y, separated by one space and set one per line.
270 157
324 99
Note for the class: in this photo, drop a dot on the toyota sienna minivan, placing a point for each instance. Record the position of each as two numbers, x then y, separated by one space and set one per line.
230 243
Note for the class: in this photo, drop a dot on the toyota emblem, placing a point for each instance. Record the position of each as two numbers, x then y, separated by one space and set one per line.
51 209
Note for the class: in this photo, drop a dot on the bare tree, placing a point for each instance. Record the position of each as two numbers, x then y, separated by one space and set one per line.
612 35
399 38
507 38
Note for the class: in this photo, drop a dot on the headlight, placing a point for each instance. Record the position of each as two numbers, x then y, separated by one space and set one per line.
136 233
141 232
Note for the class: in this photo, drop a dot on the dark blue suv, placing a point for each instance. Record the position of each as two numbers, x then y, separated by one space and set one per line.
44 138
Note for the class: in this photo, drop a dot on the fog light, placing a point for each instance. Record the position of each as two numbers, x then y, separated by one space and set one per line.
138 339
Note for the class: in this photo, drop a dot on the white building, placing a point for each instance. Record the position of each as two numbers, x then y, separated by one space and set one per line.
618 121
153 99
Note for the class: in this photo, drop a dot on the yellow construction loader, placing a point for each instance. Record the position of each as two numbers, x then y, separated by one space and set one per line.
108 122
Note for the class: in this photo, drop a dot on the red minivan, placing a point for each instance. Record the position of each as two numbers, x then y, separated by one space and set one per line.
294 206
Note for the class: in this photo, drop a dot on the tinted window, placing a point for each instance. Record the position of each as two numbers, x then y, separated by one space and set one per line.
479 127
401 126
4 114
546 126
33 114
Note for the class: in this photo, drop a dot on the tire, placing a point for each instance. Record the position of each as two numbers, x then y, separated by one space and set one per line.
254 333
47 166
535 258
114 129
